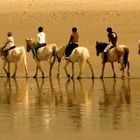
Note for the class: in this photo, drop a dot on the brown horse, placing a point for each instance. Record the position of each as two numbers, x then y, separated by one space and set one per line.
117 54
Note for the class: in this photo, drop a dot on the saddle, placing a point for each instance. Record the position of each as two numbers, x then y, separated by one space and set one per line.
5 52
40 45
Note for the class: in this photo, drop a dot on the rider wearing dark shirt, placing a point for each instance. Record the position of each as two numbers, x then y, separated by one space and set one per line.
112 38
73 42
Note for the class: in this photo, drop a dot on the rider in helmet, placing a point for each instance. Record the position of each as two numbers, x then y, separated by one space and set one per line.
112 38
73 42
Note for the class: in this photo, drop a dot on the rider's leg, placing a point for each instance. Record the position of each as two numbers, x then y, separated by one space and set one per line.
105 51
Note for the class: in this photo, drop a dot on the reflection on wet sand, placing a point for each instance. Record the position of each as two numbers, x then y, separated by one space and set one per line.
35 104
115 101
15 91
52 95
79 100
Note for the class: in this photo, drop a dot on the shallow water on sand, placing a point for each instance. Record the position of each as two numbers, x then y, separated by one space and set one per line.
69 109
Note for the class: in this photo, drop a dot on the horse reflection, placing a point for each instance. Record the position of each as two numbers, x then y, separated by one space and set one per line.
49 94
13 93
79 100
115 102
116 97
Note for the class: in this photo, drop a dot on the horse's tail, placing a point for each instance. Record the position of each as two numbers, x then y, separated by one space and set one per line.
125 58
85 56
54 48
24 57
139 46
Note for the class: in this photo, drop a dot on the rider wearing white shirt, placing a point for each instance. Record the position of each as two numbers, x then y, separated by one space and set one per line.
41 41
41 38
9 44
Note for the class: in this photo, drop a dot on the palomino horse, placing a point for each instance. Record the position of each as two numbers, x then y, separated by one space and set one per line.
119 54
79 55
45 53
14 55
139 46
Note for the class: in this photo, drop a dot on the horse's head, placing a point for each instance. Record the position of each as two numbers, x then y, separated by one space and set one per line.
29 44
100 47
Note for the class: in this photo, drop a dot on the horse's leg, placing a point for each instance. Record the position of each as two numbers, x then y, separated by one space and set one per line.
65 67
51 66
80 69
5 69
72 71
90 66
58 67
25 65
13 76
8 74
122 73
103 67
39 67
114 74
128 67
36 70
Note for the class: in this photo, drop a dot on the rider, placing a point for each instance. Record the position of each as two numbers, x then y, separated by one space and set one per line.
73 42
10 44
112 38
41 41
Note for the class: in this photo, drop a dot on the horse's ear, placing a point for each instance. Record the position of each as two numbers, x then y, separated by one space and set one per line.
27 38
96 42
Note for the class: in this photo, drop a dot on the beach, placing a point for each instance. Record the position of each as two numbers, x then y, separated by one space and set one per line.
51 108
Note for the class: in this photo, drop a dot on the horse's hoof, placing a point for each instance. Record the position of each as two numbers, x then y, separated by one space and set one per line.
78 77
68 75
72 77
128 74
26 76
101 77
34 76
58 75
114 76
92 77
8 74
13 76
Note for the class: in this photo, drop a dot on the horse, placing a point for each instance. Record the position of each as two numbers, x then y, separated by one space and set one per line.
13 56
139 47
79 55
116 54
45 53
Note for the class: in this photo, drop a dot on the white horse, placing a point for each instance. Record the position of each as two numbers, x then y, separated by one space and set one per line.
45 53
13 56
79 55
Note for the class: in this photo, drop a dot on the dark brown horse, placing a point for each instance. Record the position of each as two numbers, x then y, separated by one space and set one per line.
117 54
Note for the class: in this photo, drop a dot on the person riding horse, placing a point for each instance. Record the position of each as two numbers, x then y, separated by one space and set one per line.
10 44
41 41
112 38
73 42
